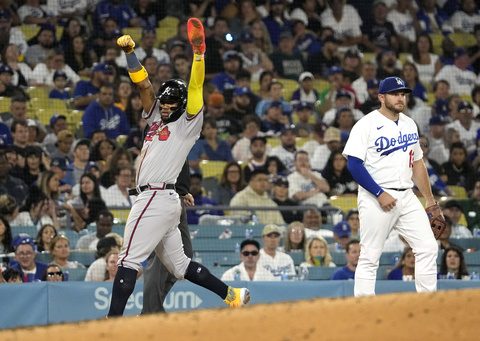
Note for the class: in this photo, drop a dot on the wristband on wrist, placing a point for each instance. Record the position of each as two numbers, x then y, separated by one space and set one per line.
138 76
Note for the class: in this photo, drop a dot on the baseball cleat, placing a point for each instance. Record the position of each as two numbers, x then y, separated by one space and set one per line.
196 35
236 297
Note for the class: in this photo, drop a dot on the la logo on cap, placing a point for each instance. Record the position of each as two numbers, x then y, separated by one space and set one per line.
399 81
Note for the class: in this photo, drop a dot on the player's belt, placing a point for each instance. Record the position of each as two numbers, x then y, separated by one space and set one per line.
398 189
155 187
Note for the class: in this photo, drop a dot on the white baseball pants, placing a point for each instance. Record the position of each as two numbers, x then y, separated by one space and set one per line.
410 220
153 225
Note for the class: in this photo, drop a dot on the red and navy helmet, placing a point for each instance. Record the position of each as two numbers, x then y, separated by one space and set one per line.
174 91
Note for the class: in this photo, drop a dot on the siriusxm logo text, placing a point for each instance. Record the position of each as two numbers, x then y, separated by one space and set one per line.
387 145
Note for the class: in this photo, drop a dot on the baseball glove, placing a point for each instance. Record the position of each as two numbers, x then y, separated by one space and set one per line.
437 221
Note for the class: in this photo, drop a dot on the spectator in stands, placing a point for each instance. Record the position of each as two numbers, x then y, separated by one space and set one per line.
211 147
111 260
5 232
315 140
44 237
474 51
275 167
303 118
343 99
149 13
454 211
216 43
320 63
405 267
427 63
181 66
32 12
317 253
352 65
410 75
239 108
104 223
258 149
287 62
7 89
342 233
123 90
306 91
232 63
287 149
458 169
306 41
277 262
25 253
354 221
241 150
11 275
332 139
230 184
104 115
345 22
117 194
9 184
37 211
249 269
261 36
89 189
276 22
196 189
274 121
435 171
444 240
352 254
102 152
460 78
86 91
295 239
55 61
360 85
64 141
122 13
22 73
34 166
18 111
338 176
60 251
79 56
379 32
53 273
453 265
275 89
312 220
254 60
255 194
41 45
466 126
280 196
96 270
432 18
344 121
441 91
372 102
120 158
59 90
465 19
387 64
81 155
405 21
438 150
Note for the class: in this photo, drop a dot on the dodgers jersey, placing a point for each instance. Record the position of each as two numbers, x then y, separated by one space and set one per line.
166 146
387 149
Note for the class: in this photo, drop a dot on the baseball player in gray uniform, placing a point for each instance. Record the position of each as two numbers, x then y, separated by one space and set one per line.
175 124
385 158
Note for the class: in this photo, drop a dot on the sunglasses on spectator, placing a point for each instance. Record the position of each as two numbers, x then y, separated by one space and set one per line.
57 273
249 253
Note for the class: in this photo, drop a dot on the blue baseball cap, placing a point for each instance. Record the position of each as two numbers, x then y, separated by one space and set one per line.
304 105
23 239
437 120
464 105
55 118
246 37
392 84
4 68
59 73
335 69
102 67
61 163
342 229
372 84
241 91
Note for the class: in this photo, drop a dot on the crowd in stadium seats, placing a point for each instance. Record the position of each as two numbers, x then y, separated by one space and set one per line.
285 82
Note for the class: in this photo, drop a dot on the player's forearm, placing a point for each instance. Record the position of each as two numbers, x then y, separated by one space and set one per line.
195 86
421 180
139 76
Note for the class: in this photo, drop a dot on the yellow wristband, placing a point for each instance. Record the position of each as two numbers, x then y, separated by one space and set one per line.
139 75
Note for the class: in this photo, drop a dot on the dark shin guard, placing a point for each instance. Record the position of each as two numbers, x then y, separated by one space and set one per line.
198 274
123 286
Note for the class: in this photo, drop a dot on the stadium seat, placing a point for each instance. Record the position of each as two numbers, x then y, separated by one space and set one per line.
30 230
338 257
77 274
214 245
298 257
320 84
84 257
437 39
317 273
167 28
72 236
458 192
37 92
289 86
468 243
311 120
430 98
120 215
403 57
463 39
43 257
29 30
472 258
389 258
5 104
368 57
212 168
214 231
300 141
383 271
134 32
344 202
215 259
273 142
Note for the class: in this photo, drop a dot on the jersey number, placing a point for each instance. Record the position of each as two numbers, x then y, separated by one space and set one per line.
410 158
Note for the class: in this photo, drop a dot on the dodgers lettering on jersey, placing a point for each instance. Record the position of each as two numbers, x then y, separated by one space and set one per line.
388 149
166 145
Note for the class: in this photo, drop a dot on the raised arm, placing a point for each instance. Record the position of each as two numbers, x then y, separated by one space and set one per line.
137 72
196 36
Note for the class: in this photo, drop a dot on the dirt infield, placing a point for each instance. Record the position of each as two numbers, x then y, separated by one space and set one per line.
446 315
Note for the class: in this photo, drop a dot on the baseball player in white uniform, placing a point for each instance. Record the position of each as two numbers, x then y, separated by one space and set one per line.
175 125
385 158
